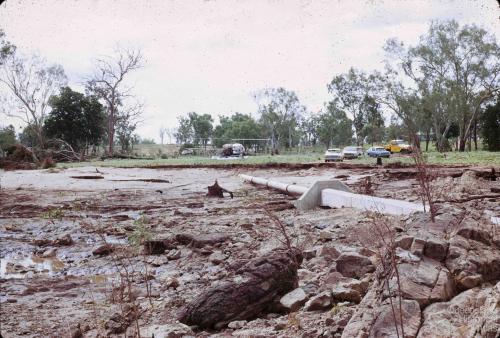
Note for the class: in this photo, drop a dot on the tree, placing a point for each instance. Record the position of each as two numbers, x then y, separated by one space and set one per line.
108 83
185 131
490 127
127 120
456 63
6 48
280 115
372 120
237 126
350 90
309 129
162 132
76 119
202 126
7 138
334 127
30 83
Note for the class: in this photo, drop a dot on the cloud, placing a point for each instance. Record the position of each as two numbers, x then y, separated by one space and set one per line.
209 56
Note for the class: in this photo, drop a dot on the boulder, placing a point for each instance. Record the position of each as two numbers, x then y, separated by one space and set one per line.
293 300
328 252
472 313
384 325
436 248
354 265
250 293
404 242
322 301
344 294
156 247
417 247
103 250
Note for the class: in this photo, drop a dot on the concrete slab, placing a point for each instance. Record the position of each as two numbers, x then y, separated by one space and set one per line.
311 198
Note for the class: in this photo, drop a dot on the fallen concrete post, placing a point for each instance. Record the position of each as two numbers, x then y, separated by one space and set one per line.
335 194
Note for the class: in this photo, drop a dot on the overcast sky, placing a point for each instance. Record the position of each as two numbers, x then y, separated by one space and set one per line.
209 56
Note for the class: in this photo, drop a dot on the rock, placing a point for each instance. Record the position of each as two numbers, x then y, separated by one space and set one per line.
344 294
63 241
472 231
384 324
237 324
103 250
325 236
174 255
217 257
172 283
404 242
199 241
176 330
293 300
156 247
329 252
426 282
259 282
49 253
322 301
417 247
352 264
308 254
436 249
473 313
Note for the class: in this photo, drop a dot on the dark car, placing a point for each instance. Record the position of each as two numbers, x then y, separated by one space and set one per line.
378 152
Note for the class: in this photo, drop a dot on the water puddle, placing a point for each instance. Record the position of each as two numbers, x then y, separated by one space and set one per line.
27 267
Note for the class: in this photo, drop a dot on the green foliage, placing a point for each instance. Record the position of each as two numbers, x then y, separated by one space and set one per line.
147 141
202 126
334 128
185 131
6 48
54 213
75 118
141 232
7 137
490 127
28 137
237 126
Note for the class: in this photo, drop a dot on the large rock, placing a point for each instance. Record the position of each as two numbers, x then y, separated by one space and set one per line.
199 241
249 294
473 313
384 325
354 265
293 300
425 281
322 301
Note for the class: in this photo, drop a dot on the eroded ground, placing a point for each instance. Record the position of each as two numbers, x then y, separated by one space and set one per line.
55 284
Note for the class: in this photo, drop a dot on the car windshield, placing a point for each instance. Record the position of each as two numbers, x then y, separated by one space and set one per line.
350 148
378 149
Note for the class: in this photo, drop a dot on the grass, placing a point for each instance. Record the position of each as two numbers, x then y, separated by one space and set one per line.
433 157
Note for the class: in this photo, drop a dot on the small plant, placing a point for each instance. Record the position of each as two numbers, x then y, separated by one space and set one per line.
141 233
54 213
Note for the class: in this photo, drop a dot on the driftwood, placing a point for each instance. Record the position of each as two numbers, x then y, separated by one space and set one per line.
263 280
217 191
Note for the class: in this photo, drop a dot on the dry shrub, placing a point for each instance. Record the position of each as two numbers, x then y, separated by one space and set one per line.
47 163
20 153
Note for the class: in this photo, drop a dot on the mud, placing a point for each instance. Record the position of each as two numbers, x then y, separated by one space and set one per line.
54 290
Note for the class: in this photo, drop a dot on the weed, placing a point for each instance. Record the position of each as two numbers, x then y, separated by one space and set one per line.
53 213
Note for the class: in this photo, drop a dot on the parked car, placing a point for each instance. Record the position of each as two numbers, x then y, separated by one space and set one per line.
333 154
398 146
350 152
360 150
378 152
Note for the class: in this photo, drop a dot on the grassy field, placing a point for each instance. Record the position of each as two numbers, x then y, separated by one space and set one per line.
468 158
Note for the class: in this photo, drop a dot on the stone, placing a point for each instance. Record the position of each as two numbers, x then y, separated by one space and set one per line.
436 249
49 253
199 241
417 247
404 242
320 302
63 241
293 300
325 236
156 247
237 324
384 324
217 257
472 313
103 250
310 253
175 330
259 282
174 255
343 294
329 252
354 265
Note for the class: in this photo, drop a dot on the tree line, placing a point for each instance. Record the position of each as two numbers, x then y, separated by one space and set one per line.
56 116
445 89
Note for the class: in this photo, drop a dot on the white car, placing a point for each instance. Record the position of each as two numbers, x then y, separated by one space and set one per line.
350 152
333 155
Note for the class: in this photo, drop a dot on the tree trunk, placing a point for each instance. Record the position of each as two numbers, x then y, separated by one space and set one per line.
427 139
475 134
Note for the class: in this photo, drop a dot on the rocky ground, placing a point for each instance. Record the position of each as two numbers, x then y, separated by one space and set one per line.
115 252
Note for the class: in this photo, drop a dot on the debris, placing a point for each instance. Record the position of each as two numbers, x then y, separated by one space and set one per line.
88 177
199 241
217 191
103 250
262 279
150 180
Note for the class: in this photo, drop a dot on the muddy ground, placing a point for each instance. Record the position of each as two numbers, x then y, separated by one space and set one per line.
54 283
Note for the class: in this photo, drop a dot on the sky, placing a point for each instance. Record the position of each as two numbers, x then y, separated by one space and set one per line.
211 56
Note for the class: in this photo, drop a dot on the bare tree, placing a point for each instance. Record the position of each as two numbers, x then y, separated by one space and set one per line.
162 132
29 83
107 82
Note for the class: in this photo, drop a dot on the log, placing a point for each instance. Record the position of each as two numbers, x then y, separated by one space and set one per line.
263 279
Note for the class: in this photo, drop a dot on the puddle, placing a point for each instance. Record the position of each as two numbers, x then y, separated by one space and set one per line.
22 267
